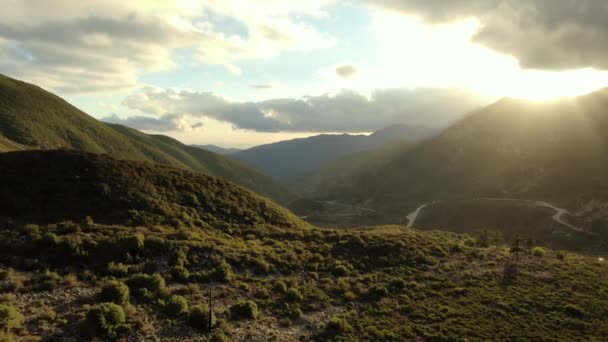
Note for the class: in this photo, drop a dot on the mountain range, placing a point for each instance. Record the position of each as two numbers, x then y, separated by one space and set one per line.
218 149
286 159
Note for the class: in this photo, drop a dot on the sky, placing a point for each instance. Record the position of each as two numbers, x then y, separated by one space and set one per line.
239 73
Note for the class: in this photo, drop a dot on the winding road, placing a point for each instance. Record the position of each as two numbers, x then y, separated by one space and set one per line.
558 217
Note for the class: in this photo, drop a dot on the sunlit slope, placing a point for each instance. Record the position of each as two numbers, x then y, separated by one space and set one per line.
554 150
32 118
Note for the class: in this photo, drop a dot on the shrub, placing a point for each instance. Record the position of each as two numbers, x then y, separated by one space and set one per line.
279 287
340 271
539 252
176 306
180 274
48 280
115 292
294 295
244 310
10 318
222 273
201 318
118 269
105 320
219 336
145 285
336 330
6 274
574 311
397 283
70 280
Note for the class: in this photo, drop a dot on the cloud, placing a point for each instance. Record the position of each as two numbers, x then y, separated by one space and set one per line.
346 111
262 86
541 34
346 70
79 47
167 122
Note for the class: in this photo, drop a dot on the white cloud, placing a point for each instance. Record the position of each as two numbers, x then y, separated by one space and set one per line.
82 46
346 111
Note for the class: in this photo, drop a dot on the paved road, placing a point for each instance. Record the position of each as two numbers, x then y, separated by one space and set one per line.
558 217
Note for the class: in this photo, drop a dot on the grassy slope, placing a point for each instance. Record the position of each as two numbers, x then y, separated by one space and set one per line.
386 284
72 185
31 118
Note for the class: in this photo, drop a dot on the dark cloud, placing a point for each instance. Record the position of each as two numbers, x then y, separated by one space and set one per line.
541 34
167 122
346 111
346 70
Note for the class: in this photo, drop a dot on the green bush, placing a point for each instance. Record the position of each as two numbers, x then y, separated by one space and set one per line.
222 273
244 310
105 320
199 318
294 295
180 274
219 336
176 306
10 318
340 271
145 285
118 269
539 252
336 330
279 287
115 292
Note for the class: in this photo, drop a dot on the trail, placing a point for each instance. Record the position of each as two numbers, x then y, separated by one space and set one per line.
412 216
558 217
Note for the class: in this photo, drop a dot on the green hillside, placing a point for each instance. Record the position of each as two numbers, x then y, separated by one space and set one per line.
70 185
32 118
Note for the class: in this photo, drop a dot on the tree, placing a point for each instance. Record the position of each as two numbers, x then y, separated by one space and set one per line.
515 249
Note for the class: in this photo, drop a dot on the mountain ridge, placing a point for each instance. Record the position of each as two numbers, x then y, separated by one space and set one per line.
296 157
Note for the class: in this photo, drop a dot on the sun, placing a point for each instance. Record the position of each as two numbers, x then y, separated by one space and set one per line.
418 54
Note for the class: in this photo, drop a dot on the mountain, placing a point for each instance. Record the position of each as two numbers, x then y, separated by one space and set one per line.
218 149
32 118
291 158
56 186
339 175
555 151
